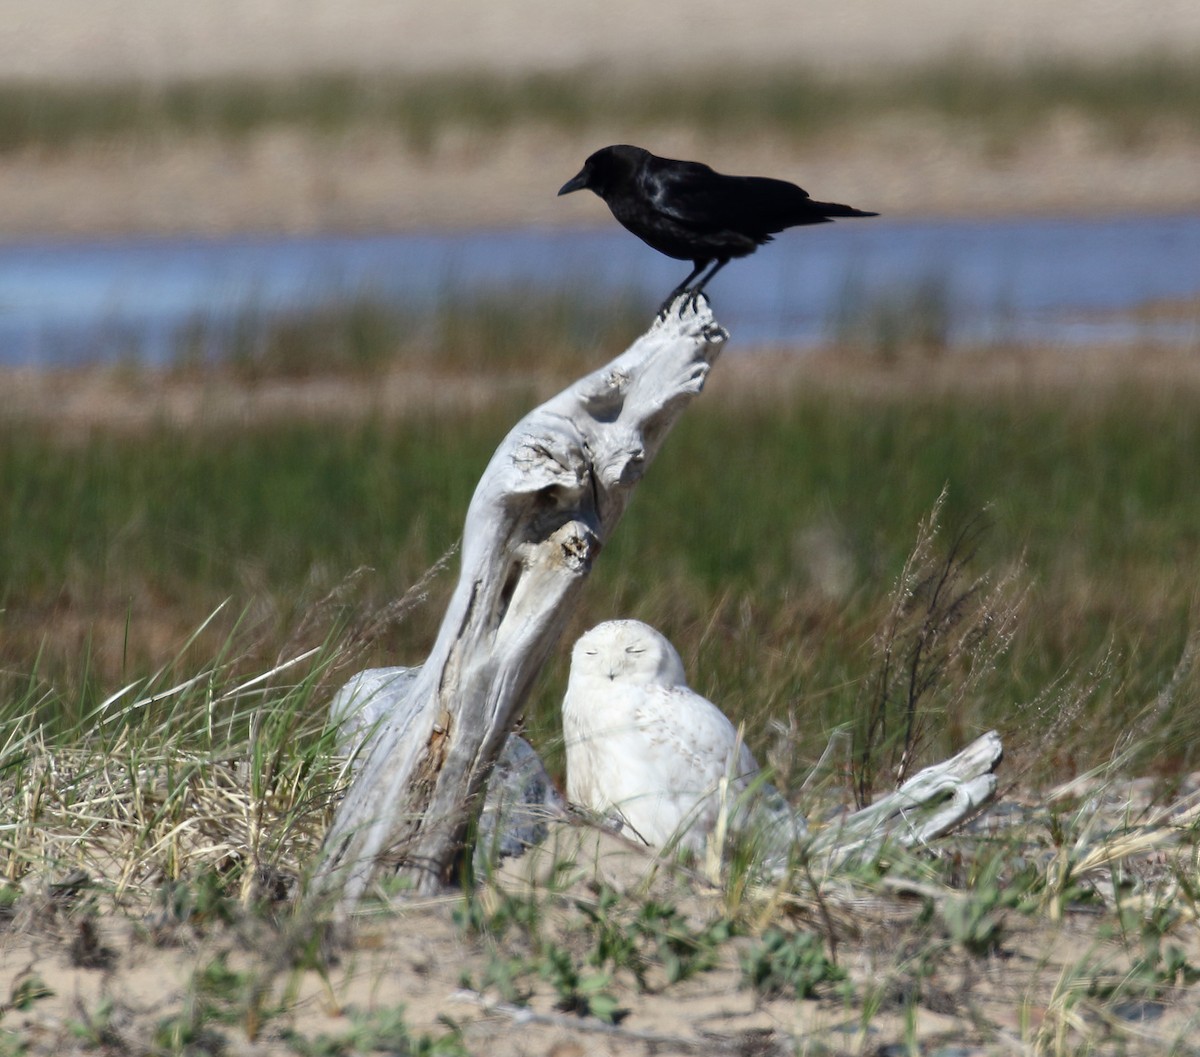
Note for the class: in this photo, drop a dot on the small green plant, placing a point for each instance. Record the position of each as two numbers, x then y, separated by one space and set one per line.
656 934
27 988
613 943
381 1031
1161 964
975 917
585 993
613 933
681 950
975 920
785 963
199 902
219 994
578 991
183 1035
474 915
492 914
94 1028
507 975
220 989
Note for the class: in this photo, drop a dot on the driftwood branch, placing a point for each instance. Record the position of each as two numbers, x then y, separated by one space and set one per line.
547 502
928 805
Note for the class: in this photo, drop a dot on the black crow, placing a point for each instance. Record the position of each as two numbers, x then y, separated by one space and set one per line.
692 213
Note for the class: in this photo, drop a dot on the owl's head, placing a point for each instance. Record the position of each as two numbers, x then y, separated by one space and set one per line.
629 651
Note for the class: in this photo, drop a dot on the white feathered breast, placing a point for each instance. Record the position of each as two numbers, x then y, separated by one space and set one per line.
642 745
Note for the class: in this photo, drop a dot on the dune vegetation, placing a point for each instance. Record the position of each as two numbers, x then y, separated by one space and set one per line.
866 560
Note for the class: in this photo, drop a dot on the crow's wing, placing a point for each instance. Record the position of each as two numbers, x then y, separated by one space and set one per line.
706 201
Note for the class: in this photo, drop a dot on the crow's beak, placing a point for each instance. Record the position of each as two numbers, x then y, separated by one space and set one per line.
576 183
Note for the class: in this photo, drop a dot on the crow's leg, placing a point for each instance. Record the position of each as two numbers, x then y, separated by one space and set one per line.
698 289
700 266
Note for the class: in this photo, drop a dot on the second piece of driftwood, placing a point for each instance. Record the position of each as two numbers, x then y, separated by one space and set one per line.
547 502
931 803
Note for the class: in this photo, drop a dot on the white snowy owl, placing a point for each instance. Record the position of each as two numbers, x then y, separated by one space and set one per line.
643 746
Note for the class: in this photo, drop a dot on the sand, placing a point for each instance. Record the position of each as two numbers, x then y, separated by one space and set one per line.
420 961
156 39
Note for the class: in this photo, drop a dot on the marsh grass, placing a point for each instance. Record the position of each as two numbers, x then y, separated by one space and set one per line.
188 787
1129 100
945 633
367 334
776 531
162 779
909 319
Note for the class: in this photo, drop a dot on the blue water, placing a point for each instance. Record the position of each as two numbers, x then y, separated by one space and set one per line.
1031 280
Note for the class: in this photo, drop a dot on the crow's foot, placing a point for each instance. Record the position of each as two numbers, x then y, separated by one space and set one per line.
685 299
664 310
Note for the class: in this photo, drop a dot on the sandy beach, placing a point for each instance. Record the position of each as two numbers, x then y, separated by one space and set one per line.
163 39
282 179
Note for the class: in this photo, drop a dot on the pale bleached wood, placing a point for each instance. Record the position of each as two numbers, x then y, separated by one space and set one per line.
521 800
548 500
930 804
